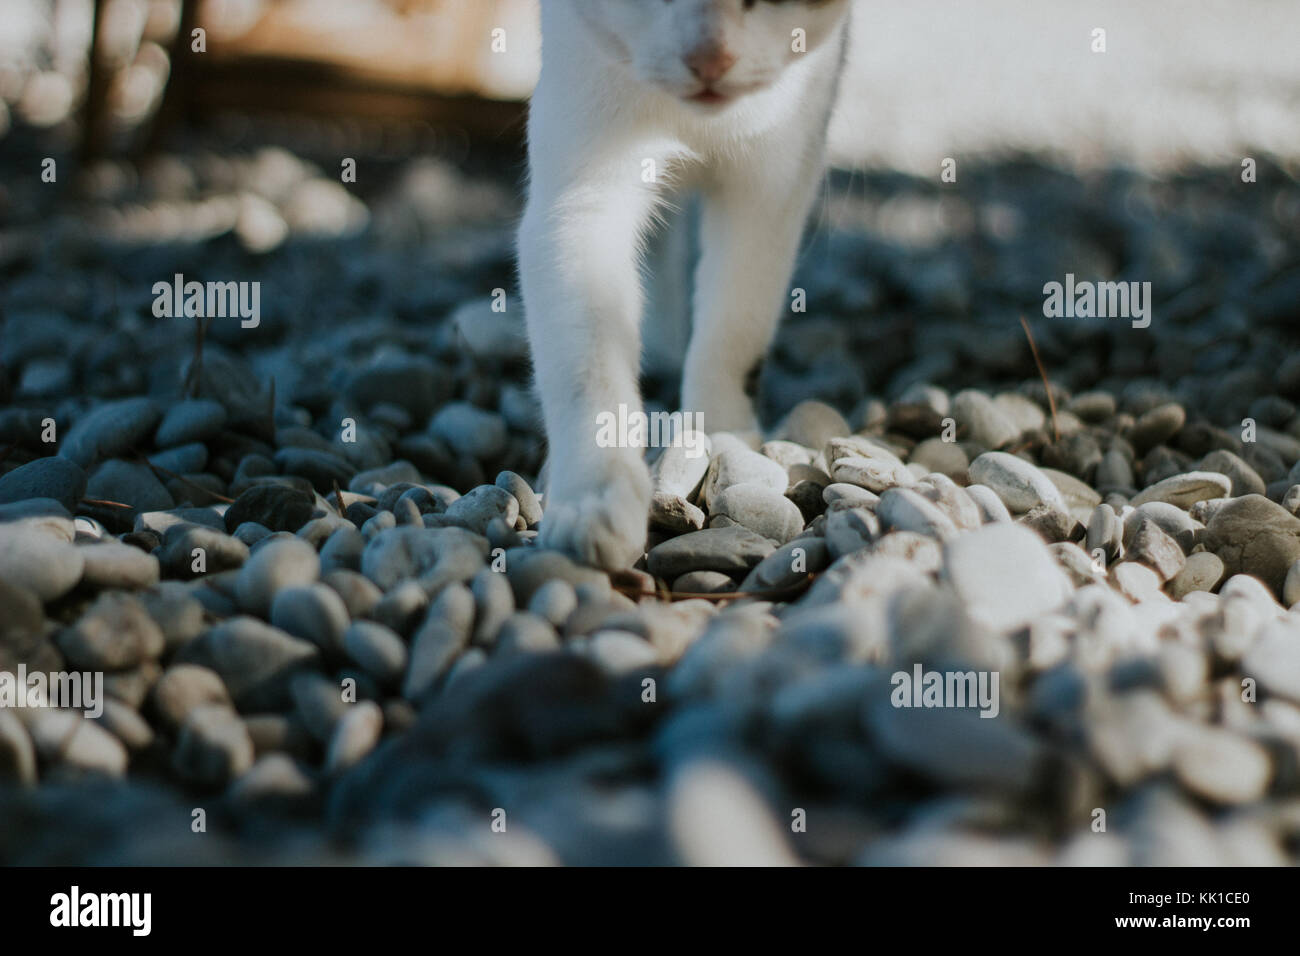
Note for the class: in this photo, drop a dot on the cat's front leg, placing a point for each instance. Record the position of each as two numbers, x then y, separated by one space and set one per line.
753 219
578 248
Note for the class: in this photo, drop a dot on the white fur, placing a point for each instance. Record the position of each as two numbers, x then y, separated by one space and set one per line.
613 94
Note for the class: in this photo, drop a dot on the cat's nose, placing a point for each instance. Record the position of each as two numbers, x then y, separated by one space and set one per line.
709 62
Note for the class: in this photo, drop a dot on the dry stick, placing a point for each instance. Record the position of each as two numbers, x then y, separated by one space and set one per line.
192 380
103 503
166 473
1051 399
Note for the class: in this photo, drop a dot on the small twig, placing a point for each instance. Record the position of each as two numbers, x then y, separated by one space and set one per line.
338 496
1051 399
192 380
102 503
160 471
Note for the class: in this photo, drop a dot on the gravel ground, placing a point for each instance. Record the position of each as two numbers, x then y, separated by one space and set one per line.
238 530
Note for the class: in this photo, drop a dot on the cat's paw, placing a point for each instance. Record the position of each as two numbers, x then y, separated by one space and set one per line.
600 521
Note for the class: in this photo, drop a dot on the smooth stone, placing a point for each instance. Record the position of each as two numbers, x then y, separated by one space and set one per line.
254 660
273 776
530 509
1186 489
787 454
377 650
736 466
945 457
1137 582
952 500
219 552
129 483
17 753
1157 550
51 477
1157 426
475 511
620 652
470 430
554 601
213 747
849 530
1245 479
680 469
183 687
1203 571
1077 494
313 612
1273 659
109 430
729 550
874 474
357 734
674 514
182 460
1005 576
193 420
274 566
985 422
526 633
786 567
1291 587
1104 532
851 496
35 559
1114 471
111 564
434 556
115 633
1222 767
902 509
277 507
411 382
442 637
991 508
812 424
1174 521
323 469
759 509
1020 485
66 737
395 473
1255 536
706 582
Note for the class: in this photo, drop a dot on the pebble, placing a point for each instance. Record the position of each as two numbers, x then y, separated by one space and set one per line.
1222 767
679 473
115 633
193 420
376 650
1203 571
65 737
356 735
530 509
1152 547
990 506
620 652
277 507
730 550
51 477
129 483
526 632
1186 489
757 508
36 560
985 423
1157 426
183 687
111 564
110 429
1252 535
273 567
874 474
213 747
17 753
902 509
1273 659
313 612
812 424
254 660
470 430
440 639
1245 479
1004 575
674 514
555 600
1020 485
1291 587
738 465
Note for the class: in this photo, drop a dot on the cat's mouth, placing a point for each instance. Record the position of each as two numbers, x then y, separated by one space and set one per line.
710 96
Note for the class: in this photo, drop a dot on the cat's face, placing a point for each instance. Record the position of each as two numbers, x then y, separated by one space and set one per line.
710 52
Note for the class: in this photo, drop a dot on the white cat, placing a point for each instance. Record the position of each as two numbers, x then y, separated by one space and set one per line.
637 100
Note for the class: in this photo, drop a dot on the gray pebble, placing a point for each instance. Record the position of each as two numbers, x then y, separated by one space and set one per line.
213 747
376 649
273 567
